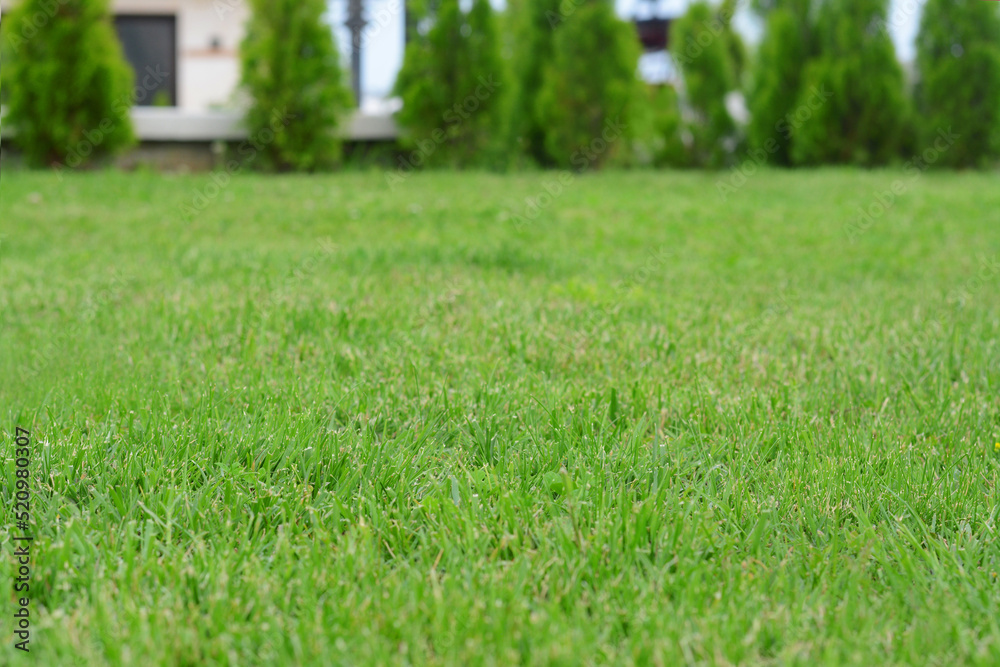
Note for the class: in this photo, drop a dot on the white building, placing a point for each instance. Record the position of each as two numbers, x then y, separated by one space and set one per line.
191 46
195 40
185 54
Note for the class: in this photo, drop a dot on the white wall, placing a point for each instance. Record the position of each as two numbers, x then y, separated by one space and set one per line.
207 77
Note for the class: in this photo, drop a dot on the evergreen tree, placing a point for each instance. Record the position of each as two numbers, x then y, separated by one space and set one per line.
801 9
734 43
776 84
704 54
451 83
669 148
535 23
589 86
291 71
851 106
958 63
67 85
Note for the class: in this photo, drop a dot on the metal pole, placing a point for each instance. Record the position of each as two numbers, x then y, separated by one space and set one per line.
409 21
356 23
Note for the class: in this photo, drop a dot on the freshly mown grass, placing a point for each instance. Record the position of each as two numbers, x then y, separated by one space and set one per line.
325 422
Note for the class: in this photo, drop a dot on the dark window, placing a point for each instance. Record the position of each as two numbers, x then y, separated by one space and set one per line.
150 45
654 34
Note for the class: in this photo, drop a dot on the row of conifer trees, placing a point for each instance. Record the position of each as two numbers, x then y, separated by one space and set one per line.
823 87
552 83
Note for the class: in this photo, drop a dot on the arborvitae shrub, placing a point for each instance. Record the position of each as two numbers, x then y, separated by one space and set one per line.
452 86
738 57
534 23
292 74
853 91
66 83
958 65
589 87
777 79
669 149
704 53
655 132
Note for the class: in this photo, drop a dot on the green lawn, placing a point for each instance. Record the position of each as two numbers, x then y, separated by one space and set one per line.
325 422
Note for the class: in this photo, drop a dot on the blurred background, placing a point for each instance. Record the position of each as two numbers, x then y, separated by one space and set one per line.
797 82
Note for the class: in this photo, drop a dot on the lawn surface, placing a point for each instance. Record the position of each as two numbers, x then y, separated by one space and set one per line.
326 422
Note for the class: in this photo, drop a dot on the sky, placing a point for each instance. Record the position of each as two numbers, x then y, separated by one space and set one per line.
383 52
